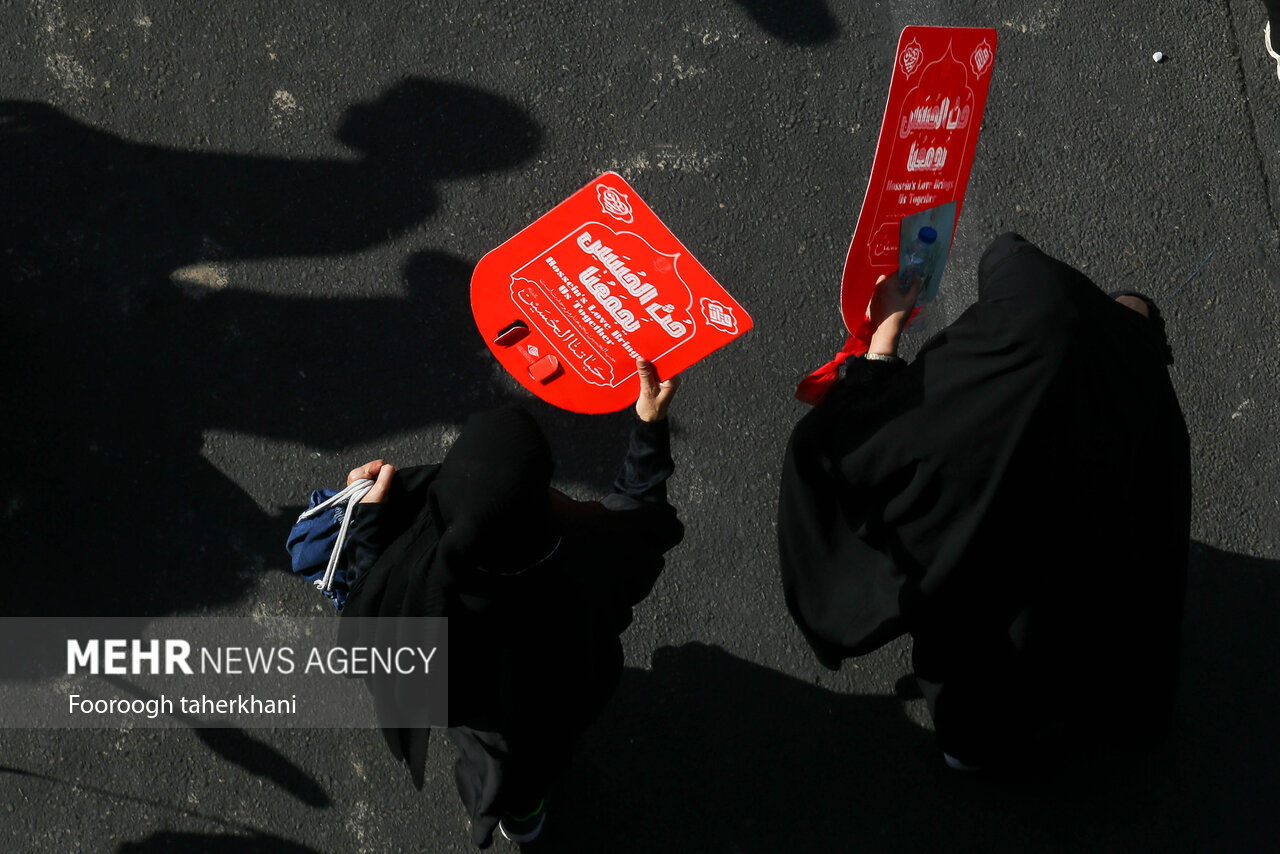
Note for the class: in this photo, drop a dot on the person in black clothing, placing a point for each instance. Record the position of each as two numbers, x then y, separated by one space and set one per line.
536 587
1017 499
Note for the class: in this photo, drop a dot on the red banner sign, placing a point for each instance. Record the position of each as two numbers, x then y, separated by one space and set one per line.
925 151
569 303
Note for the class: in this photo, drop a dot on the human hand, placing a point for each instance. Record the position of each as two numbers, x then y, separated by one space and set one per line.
377 471
655 396
889 310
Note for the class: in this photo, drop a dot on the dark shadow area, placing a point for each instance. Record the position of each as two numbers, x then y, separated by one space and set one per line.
114 370
121 799
240 748
707 752
802 22
262 760
711 753
1229 698
450 372
170 842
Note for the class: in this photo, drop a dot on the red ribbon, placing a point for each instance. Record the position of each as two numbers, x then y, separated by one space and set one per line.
814 388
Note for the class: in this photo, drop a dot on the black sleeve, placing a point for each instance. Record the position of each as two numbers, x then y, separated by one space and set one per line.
643 476
863 399
863 378
367 538
636 513
374 526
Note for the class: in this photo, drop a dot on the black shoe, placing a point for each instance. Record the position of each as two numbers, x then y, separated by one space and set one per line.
959 765
525 828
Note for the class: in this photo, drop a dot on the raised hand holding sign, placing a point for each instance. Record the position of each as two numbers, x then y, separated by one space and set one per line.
923 157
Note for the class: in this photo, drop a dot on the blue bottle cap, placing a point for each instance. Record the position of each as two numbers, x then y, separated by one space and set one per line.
928 235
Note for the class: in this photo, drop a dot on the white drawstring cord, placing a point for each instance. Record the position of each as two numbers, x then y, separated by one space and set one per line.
1276 56
352 494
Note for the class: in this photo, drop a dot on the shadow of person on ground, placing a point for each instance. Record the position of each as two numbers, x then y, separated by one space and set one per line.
802 22
247 751
172 842
167 841
444 369
707 752
125 345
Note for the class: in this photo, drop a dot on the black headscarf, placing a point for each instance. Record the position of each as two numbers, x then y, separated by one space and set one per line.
1019 493
491 494
478 519
471 539
1155 322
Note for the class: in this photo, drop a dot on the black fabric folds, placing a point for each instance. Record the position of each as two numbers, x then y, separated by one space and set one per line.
384 540
1017 498
536 587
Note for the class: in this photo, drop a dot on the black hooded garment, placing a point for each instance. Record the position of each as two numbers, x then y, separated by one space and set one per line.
536 587
1018 499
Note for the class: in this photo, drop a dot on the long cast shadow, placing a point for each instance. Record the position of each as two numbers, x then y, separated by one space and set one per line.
706 752
239 747
802 22
712 753
172 842
123 346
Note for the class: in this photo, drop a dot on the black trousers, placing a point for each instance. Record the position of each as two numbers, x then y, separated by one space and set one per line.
501 775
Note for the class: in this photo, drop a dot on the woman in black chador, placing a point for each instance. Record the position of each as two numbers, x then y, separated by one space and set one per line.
536 587
1017 499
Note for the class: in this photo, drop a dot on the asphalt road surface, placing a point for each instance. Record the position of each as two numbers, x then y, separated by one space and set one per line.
237 242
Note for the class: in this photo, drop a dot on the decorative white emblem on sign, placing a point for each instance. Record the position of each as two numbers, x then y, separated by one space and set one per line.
912 55
981 58
719 315
613 203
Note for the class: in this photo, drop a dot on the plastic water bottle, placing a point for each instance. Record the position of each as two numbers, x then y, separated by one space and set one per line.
918 258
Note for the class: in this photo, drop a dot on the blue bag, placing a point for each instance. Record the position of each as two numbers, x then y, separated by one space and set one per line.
318 537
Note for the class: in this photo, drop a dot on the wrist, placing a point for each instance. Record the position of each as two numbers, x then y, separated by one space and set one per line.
884 343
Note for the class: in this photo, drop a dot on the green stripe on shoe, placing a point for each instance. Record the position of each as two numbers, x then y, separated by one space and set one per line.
535 811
